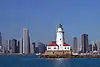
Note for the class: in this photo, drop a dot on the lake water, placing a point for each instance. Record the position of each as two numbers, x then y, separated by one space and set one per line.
30 61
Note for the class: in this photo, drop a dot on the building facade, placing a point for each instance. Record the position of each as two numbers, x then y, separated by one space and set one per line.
98 45
8 46
0 40
84 42
21 46
31 47
14 46
26 41
75 45
42 47
90 48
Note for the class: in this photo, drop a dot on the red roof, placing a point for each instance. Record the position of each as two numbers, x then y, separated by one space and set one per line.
66 45
53 44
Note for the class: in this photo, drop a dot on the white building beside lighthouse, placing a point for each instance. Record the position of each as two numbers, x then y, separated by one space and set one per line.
60 42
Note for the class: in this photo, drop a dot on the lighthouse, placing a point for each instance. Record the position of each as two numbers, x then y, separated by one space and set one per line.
59 44
60 37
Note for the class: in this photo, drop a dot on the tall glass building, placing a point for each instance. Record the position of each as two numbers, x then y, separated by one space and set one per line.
0 40
26 41
84 43
14 46
75 45
21 46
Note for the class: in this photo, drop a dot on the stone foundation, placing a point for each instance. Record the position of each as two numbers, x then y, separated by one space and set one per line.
58 53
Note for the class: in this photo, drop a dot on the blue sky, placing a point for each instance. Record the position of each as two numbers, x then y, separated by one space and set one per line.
42 16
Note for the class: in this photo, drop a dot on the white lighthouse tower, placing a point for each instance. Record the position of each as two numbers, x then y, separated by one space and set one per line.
59 44
60 37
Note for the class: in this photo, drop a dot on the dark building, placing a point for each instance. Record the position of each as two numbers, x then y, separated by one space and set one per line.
0 39
33 44
29 46
84 42
15 46
35 47
42 47
75 45
39 47
10 44
95 47
90 48
18 47
7 46
36 50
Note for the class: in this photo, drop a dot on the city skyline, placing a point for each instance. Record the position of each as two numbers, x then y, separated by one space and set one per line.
49 33
26 46
77 17
66 40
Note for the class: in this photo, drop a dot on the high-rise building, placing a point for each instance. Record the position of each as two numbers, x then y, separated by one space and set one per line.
26 41
98 44
36 46
90 48
14 46
42 47
18 47
8 43
93 45
84 42
33 44
31 48
0 40
75 45
21 46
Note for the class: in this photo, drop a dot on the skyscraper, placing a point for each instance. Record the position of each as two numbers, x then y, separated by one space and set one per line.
75 45
21 46
14 45
8 44
93 45
17 48
90 48
42 47
98 44
84 42
26 41
31 47
0 40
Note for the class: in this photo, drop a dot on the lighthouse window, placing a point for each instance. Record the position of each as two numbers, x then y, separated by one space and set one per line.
49 48
55 48
65 47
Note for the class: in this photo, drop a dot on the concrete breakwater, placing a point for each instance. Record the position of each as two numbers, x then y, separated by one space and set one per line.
69 56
